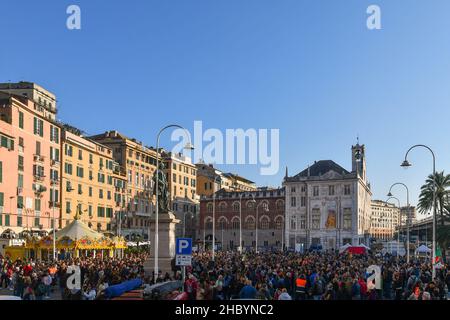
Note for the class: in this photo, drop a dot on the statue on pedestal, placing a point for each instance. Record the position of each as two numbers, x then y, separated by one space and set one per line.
163 189
166 226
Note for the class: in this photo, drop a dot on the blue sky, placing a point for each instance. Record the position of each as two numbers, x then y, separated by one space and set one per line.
310 68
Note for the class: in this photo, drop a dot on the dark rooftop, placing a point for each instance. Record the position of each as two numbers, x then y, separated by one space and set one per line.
321 167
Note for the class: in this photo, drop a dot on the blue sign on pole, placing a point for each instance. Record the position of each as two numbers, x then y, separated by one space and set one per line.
183 246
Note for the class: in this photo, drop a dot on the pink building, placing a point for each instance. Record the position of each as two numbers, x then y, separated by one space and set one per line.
29 158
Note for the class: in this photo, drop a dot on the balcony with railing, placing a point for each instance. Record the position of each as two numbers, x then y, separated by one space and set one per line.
38 158
54 163
52 204
39 177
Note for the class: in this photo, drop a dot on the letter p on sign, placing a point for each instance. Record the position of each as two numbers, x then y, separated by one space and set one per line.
184 246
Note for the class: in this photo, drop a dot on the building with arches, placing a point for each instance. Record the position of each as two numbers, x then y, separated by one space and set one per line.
261 210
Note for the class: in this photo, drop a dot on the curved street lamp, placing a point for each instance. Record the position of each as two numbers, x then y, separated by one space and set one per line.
407 214
406 164
188 146
214 218
400 220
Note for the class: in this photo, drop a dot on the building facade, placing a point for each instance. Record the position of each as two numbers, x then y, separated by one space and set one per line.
262 212
210 179
29 158
182 177
408 212
327 205
87 182
384 221
138 163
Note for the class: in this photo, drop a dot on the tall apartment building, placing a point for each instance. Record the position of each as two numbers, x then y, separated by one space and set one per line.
182 177
207 176
328 205
88 186
384 220
29 158
138 162
408 212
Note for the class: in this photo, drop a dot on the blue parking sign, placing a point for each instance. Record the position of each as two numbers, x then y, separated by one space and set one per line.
183 246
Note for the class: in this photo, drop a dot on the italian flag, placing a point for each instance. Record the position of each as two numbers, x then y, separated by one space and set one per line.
438 255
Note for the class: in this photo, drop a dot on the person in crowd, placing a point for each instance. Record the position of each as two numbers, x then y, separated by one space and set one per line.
89 293
284 295
248 291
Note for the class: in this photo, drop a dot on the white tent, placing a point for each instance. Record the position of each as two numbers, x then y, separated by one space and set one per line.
423 249
344 247
364 246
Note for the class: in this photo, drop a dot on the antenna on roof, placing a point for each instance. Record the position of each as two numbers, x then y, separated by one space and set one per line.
357 139
9 88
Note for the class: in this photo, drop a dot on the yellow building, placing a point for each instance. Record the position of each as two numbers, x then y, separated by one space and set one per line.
120 196
207 176
138 163
87 181
182 177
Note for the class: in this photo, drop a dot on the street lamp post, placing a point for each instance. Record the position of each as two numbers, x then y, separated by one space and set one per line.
189 146
184 222
407 164
214 219
407 214
240 223
400 221
54 223
256 224
204 235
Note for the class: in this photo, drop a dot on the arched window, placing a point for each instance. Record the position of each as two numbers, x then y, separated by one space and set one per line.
250 205
223 223
236 206
264 223
250 223
265 206
209 207
222 207
235 224
208 223
279 223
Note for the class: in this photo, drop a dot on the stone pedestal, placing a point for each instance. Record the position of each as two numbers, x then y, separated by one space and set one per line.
166 225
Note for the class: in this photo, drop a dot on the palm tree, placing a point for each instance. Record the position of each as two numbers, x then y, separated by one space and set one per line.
441 182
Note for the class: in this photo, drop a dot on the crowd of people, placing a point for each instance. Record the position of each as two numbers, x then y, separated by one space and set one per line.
234 275
318 276
39 280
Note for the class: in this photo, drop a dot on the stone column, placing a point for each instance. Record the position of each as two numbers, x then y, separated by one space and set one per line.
166 227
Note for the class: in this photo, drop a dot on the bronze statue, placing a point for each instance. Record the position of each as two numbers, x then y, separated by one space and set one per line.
163 189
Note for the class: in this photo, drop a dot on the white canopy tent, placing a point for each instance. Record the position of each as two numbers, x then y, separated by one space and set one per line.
423 249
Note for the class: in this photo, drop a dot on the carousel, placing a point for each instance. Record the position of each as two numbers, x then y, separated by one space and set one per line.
73 241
